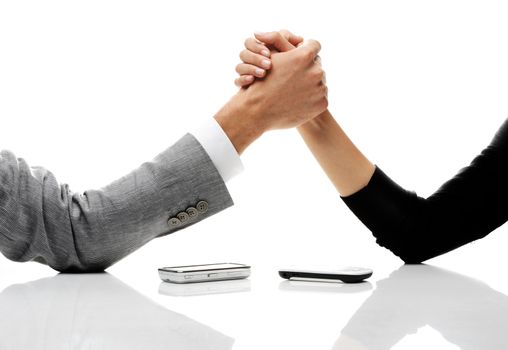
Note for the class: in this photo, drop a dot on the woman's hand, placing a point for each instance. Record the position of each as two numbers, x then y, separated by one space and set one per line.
256 58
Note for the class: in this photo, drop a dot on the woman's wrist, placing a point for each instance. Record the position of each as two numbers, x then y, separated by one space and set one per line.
348 169
318 124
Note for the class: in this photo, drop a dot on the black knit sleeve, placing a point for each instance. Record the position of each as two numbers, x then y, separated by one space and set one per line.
464 209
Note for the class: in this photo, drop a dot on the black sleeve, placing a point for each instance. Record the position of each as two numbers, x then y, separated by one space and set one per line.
466 208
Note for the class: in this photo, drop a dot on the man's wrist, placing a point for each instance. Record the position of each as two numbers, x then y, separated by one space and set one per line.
219 148
240 121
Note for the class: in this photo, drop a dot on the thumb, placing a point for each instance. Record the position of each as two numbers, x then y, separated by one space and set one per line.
292 38
276 40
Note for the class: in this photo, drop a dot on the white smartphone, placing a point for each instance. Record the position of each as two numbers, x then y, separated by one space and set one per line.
204 273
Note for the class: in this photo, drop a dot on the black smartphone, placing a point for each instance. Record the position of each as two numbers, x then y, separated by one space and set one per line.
346 275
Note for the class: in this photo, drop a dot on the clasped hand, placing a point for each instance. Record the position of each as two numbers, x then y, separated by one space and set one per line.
283 86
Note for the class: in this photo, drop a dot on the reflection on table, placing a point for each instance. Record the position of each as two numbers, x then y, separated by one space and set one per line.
204 288
95 311
467 312
324 287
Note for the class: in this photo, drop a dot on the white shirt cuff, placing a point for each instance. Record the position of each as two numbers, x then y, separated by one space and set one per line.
219 148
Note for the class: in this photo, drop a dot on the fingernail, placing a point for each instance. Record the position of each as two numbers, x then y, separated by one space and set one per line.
259 33
265 53
260 72
249 77
266 63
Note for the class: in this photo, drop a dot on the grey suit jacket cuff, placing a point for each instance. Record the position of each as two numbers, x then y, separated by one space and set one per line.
43 221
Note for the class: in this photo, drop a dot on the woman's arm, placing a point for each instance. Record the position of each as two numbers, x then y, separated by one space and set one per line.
466 208
348 169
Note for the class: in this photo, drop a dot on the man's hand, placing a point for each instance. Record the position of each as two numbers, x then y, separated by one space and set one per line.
293 93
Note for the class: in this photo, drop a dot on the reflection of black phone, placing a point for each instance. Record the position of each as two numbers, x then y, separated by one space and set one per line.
347 275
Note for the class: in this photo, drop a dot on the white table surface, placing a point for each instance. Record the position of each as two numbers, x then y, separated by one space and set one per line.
410 307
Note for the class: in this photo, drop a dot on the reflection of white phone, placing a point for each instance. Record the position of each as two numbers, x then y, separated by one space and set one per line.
214 287
204 273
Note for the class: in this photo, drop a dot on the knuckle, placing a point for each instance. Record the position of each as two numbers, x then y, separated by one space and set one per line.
308 55
302 57
317 74
316 44
323 104
270 37
285 33
277 36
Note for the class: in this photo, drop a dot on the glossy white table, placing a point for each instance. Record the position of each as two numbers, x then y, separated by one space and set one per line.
414 307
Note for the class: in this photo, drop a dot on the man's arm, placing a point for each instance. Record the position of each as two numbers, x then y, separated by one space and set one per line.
44 221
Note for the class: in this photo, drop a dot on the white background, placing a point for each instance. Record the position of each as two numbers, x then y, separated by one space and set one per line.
92 89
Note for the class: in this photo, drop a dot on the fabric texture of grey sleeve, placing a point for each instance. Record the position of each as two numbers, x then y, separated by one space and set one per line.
44 221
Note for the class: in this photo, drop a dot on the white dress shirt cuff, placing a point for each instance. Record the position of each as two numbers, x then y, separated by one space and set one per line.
220 149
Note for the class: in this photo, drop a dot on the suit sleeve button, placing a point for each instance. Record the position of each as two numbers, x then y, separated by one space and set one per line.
183 217
174 222
193 212
202 207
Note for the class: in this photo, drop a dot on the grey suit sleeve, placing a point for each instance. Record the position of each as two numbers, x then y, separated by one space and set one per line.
44 221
